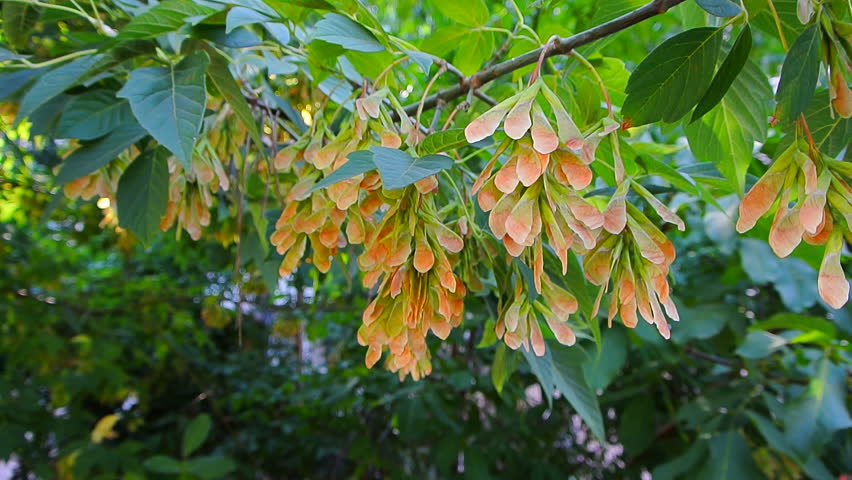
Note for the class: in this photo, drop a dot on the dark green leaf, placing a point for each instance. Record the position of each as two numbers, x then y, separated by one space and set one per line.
195 434
95 155
720 8
143 194
169 102
54 82
759 345
603 364
562 368
731 67
18 21
93 115
820 410
702 321
682 64
164 17
636 424
443 141
725 136
399 170
831 132
359 162
339 30
163 464
730 457
683 464
799 74
211 467
221 77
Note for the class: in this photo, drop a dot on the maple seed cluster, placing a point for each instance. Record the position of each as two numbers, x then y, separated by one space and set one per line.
539 189
821 215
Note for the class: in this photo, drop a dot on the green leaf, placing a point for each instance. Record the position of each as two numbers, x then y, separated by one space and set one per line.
730 457
562 367
503 366
95 155
725 136
760 344
93 115
702 321
195 434
143 194
164 17
211 467
799 74
359 162
604 363
443 141
472 13
731 67
399 170
831 132
636 425
339 30
54 82
685 463
18 21
476 48
795 321
169 102
820 410
682 64
761 17
163 464
719 8
221 77
239 16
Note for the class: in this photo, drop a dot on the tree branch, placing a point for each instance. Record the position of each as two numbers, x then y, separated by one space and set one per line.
560 46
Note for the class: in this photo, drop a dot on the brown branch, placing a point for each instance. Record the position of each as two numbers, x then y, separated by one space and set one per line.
560 46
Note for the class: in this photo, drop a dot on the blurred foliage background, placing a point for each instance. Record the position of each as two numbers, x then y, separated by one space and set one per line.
119 360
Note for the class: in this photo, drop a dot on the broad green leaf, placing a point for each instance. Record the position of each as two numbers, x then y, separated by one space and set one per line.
474 49
349 34
164 17
221 77
562 368
195 434
239 16
443 141
503 366
635 425
702 321
95 155
399 170
685 463
472 13
603 364
54 82
143 194
831 132
795 321
759 344
163 464
93 114
719 8
682 64
725 136
761 17
730 457
799 74
358 162
18 21
211 467
820 410
169 102
12 82
731 67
